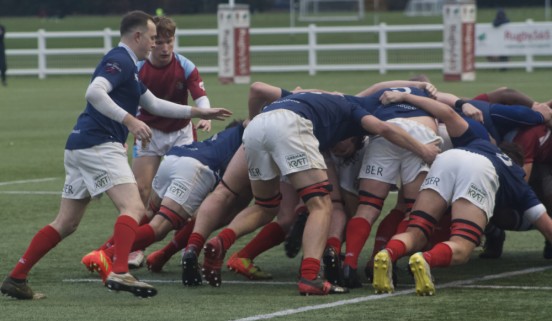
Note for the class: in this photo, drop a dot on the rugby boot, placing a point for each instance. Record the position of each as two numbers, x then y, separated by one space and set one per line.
19 289
350 277
98 261
245 267
383 273
127 282
191 273
494 243
332 266
547 252
214 257
156 260
422 275
369 272
136 259
319 286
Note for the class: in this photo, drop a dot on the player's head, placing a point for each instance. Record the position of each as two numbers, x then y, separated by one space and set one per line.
347 147
419 77
138 32
166 27
514 151
162 54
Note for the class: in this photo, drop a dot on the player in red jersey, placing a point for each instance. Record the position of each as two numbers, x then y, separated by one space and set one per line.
171 76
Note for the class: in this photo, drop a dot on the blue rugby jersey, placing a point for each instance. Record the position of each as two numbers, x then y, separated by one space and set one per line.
215 152
513 192
92 127
499 119
373 104
334 118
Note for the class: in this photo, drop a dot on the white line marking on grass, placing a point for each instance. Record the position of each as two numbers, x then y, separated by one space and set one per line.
384 296
508 287
38 180
461 283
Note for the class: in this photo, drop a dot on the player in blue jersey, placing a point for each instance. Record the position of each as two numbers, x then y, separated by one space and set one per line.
384 163
500 119
470 190
285 139
185 177
96 161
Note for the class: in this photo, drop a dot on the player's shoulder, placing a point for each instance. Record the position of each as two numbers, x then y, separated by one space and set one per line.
183 61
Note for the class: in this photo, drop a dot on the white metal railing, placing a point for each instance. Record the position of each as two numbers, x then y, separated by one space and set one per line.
312 49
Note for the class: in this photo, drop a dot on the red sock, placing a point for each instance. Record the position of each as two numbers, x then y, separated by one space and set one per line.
335 243
439 256
358 230
196 241
387 229
43 241
228 238
124 234
179 240
145 236
269 236
396 249
110 242
310 268
403 225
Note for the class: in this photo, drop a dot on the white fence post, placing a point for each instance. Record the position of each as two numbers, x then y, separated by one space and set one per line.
312 49
107 40
41 54
382 48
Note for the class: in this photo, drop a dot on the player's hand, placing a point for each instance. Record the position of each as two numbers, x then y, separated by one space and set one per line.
390 97
472 112
204 125
138 128
431 151
214 113
429 88
543 109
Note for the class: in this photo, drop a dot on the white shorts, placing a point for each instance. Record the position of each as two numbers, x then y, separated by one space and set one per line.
184 180
458 174
161 142
387 162
280 142
92 171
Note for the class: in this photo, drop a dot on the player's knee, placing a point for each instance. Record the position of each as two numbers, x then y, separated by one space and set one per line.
315 190
269 203
466 230
172 217
365 198
422 221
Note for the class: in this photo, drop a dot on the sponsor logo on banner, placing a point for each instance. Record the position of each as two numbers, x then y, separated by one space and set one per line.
513 39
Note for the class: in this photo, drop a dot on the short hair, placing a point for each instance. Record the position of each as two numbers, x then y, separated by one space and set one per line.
134 19
165 26
514 151
419 77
